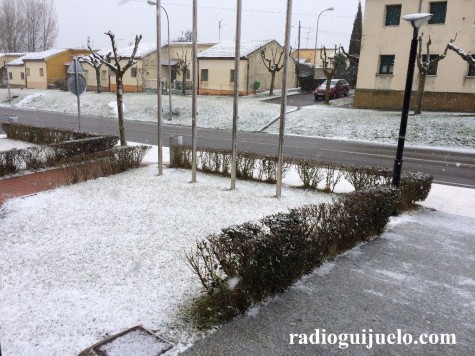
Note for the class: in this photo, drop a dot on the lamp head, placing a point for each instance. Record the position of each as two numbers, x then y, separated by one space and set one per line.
151 2
330 9
418 20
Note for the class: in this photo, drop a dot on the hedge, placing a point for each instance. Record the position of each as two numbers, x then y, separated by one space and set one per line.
246 263
414 186
57 145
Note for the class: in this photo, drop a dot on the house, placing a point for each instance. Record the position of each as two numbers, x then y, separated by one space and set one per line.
216 68
44 69
16 72
4 59
180 53
139 76
450 86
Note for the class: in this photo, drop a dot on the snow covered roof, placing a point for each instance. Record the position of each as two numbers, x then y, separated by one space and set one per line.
18 61
143 50
226 49
40 56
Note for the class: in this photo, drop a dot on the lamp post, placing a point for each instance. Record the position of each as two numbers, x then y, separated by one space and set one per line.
159 94
417 21
316 39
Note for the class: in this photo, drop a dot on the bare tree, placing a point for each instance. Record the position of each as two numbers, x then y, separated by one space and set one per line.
185 36
273 66
426 66
467 57
112 61
328 70
353 57
11 26
184 69
28 25
94 63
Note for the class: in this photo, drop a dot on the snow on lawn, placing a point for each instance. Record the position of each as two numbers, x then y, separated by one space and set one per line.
455 130
89 260
429 129
7 144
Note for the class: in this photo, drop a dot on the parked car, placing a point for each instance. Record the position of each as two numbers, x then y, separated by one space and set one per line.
338 87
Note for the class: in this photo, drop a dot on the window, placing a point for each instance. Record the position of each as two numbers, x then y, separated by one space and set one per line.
42 73
85 74
10 75
133 72
439 10
27 72
393 15
188 74
386 64
204 75
104 74
232 76
471 70
22 75
432 66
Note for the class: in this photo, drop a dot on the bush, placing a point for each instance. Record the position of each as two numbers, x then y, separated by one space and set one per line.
41 135
246 263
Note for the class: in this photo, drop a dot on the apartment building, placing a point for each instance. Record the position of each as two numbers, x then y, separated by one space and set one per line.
450 85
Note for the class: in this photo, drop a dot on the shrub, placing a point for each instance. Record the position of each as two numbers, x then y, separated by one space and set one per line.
41 135
246 263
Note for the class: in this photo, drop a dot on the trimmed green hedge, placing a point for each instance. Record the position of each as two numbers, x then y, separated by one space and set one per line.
245 264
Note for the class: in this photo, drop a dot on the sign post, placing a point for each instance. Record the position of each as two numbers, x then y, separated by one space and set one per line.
77 84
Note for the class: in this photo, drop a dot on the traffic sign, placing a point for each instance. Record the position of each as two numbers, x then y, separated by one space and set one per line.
81 84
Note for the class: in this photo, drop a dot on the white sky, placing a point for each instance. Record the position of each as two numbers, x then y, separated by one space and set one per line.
261 19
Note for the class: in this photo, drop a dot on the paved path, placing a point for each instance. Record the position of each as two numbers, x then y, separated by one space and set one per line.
418 277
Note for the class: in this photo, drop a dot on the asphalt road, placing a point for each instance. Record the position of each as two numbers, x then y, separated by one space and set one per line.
447 166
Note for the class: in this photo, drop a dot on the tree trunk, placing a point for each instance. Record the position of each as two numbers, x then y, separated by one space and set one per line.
98 79
271 92
183 81
420 93
120 110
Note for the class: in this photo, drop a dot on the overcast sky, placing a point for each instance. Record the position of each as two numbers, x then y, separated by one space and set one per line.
261 19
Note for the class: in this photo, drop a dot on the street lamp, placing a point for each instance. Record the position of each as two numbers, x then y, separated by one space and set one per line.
316 38
159 94
417 21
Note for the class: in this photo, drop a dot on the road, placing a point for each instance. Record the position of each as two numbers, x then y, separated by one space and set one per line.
447 166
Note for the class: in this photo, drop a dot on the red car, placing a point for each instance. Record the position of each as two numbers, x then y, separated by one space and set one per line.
338 87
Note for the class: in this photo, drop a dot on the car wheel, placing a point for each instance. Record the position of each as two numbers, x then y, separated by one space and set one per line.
347 93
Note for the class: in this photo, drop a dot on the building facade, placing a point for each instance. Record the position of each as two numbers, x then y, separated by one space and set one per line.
216 68
450 86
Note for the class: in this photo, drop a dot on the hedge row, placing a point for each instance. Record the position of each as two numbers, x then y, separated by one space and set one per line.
105 163
49 154
414 186
246 263
42 135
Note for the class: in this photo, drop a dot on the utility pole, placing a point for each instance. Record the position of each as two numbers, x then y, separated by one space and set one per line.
194 91
237 58
298 59
8 82
219 26
283 100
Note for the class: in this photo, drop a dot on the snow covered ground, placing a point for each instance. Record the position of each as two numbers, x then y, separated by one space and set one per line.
455 130
86 261
89 260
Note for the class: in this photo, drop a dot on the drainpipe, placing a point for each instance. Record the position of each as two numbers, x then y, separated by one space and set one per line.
420 5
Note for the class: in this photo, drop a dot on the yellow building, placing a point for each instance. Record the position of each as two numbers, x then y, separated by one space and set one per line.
216 68
385 52
43 69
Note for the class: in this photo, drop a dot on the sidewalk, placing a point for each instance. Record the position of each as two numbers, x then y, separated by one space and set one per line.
418 277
